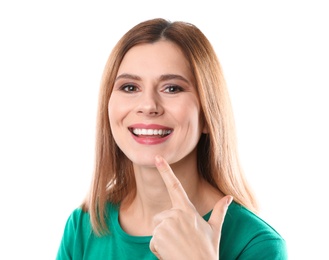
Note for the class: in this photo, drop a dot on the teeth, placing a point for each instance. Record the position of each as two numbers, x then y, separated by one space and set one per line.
160 132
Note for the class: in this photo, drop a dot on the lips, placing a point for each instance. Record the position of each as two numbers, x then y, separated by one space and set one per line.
150 136
150 133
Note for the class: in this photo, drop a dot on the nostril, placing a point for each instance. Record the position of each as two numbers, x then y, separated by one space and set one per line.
149 105
149 112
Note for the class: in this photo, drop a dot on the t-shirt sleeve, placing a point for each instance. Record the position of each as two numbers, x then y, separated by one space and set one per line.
246 236
272 249
71 240
66 244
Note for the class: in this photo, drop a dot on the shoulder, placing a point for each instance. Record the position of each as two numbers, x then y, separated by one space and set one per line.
81 218
78 214
77 221
77 234
243 219
77 224
247 235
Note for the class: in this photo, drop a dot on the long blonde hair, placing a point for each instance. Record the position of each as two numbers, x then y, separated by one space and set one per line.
218 160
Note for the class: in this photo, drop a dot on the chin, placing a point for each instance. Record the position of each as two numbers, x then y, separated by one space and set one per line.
147 160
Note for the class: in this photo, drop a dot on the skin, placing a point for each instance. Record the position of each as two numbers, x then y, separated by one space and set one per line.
151 101
171 197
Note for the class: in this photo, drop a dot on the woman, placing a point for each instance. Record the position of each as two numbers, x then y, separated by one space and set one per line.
167 166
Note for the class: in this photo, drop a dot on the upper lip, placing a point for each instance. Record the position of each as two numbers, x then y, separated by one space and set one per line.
149 126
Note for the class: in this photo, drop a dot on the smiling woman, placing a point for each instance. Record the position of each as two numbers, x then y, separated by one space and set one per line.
156 85
167 182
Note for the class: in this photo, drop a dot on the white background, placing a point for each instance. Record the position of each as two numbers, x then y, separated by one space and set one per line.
52 53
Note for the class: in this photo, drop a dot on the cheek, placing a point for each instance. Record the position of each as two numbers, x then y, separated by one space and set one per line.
116 110
189 118
111 111
191 114
116 115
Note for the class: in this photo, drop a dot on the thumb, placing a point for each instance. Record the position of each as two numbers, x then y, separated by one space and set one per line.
217 217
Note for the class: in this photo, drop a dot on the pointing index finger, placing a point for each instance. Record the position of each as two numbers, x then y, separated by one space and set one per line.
175 189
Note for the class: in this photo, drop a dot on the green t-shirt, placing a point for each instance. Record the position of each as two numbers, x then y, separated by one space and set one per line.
244 236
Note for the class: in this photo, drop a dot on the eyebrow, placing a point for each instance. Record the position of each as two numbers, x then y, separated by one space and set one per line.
162 77
172 76
127 76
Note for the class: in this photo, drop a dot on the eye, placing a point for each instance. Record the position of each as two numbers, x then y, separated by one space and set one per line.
172 89
129 88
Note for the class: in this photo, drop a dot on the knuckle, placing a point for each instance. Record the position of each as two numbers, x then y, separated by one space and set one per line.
176 185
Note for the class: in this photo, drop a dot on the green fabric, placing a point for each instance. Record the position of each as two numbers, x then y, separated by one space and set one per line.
244 236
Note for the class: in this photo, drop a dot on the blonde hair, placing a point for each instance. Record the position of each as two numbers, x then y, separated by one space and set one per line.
217 159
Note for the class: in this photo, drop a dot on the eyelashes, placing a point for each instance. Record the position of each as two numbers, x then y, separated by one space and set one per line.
129 88
170 89
173 89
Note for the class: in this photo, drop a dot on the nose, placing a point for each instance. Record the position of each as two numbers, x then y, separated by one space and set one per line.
150 104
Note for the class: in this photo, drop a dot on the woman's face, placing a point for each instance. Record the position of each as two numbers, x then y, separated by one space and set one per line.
154 107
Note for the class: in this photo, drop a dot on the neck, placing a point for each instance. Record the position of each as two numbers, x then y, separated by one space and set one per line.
152 196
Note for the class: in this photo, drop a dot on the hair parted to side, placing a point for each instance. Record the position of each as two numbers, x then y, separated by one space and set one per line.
218 160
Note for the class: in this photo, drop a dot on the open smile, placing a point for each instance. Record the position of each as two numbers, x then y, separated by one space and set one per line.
150 132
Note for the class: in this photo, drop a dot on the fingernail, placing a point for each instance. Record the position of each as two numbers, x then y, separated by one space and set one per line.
157 159
229 200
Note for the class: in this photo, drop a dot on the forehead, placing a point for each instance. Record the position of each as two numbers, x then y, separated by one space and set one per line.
162 57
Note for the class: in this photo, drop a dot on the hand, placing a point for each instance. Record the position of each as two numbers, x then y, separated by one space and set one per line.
180 232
